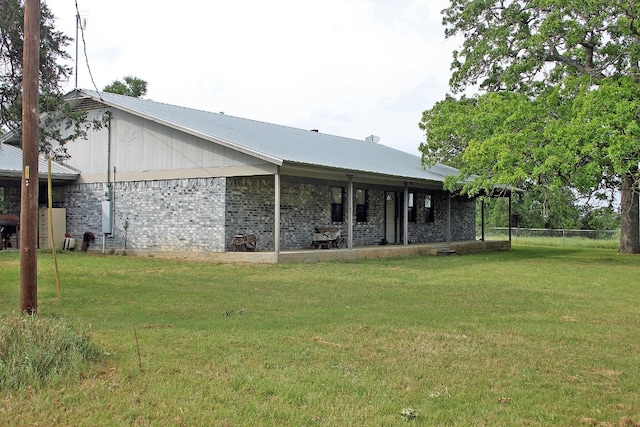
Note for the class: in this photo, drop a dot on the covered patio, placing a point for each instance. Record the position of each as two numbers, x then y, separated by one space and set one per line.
343 254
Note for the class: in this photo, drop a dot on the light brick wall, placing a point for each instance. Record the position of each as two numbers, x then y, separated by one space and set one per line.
205 214
463 217
12 199
306 204
170 215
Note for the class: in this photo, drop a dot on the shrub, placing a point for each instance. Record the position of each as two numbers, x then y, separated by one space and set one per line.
36 350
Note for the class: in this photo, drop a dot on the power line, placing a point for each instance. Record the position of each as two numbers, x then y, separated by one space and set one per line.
84 48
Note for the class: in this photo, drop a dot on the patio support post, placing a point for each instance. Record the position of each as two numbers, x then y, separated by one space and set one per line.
510 216
449 218
405 218
276 215
482 221
350 212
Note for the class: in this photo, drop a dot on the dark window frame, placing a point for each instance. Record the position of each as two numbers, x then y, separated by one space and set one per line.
411 207
362 202
337 207
58 194
428 208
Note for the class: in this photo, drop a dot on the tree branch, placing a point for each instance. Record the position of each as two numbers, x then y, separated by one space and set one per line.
554 56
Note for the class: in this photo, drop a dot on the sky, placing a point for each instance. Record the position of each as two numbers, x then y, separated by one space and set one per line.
351 68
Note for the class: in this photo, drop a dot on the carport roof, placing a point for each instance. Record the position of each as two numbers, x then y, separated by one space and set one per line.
11 166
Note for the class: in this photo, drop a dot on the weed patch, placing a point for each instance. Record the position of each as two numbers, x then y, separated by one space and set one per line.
35 351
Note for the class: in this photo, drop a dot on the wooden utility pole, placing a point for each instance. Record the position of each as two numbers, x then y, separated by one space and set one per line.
30 139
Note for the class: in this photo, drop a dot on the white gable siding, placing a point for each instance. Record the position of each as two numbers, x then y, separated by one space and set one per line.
139 144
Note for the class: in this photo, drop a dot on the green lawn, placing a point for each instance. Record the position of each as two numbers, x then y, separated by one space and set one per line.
533 337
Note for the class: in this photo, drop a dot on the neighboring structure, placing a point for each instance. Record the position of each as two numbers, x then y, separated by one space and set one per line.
165 178
10 180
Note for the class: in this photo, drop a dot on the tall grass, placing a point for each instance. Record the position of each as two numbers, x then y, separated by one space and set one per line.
35 351
537 336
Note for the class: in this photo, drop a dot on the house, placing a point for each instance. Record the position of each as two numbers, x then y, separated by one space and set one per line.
160 178
10 180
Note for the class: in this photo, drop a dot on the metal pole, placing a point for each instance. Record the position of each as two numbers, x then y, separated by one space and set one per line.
29 187
510 218
276 208
448 217
51 225
76 70
405 218
350 209
483 223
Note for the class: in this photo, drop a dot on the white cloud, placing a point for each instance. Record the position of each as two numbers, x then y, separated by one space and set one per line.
347 67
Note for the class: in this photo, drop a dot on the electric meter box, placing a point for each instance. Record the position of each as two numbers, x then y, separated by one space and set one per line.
107 217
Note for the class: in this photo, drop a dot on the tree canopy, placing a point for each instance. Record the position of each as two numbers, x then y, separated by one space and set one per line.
56 112
129 86
559 102
524 45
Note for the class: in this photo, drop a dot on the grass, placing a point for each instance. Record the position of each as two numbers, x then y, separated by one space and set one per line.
35 351
570 242
536 336
575 242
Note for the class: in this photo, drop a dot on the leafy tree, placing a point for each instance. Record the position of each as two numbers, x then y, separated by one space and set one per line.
496 212
543 209
602 218
537 208
131 86
56 112
560 102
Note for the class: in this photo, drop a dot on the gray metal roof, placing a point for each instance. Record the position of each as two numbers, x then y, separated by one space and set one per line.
275 143
11 165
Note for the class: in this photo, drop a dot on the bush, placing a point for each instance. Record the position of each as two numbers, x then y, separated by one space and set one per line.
35 351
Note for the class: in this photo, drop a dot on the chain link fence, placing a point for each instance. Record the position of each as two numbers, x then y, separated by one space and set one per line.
554 237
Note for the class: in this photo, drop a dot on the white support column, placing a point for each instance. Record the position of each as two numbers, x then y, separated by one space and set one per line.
482 207
350 212
510 213
276 210
448 217
405 219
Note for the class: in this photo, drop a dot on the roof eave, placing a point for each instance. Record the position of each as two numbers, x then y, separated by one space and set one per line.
59 177
17 175
341 173
224 143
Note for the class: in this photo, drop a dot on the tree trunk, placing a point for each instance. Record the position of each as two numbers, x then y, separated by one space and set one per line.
629 216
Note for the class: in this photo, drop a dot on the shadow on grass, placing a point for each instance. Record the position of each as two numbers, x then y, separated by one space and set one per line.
607 257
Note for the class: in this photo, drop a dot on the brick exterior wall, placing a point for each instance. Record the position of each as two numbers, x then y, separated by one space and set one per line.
306 204
170 215
12 199
463 217
249 209
205 214
370 232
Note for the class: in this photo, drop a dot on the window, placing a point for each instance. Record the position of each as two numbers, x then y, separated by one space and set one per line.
412 208
362 197
428 208
57 196
337 206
